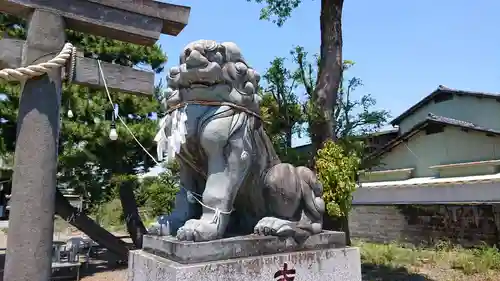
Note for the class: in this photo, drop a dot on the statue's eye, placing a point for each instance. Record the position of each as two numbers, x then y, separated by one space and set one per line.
216 57
187 52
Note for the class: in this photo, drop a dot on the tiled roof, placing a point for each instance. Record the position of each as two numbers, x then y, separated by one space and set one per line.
432 119
432 181
440 90
460 123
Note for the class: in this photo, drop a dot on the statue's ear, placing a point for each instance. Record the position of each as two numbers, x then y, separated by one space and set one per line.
183 56
257 77
222 49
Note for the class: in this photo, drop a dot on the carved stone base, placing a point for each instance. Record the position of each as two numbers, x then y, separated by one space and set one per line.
321 257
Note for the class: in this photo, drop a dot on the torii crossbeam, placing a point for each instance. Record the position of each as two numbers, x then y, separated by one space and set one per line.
141 22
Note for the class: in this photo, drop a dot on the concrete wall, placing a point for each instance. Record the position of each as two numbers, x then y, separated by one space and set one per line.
465 225
449 193
450 146
480 111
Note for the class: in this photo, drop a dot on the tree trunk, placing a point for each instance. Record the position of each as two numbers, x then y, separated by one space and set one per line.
289 136
89 227
327 87
135 227
338 224
330 72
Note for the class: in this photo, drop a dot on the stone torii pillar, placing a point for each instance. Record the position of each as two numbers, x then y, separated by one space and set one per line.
29 246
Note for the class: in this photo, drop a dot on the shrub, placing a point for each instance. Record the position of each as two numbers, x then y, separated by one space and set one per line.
157 194
110 214
337 170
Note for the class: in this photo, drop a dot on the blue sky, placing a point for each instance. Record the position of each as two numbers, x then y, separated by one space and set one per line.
403 49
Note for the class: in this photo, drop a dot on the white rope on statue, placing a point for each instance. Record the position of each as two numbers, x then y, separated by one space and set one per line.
217 211
23 73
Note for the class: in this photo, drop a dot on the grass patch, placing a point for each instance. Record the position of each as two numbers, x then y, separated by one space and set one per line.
60 225
442 257
110 216
478 260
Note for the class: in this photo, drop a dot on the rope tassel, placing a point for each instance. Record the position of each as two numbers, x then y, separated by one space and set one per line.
171 145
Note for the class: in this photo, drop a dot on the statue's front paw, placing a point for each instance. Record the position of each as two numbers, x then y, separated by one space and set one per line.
274 226
198 230
159 229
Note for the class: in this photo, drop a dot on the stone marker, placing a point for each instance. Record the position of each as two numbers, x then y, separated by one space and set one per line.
232 182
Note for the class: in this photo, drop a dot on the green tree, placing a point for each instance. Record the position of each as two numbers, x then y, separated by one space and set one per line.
281 108
88 159
324 94
354 117
157 194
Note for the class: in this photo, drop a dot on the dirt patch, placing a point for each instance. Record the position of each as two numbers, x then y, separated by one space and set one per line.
112 275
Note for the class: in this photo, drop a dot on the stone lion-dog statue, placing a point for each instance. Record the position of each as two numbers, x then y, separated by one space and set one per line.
232 181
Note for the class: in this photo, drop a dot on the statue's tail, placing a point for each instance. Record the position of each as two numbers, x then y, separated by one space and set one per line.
312 193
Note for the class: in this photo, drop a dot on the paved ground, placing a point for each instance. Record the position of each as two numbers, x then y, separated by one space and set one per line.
4 224
113 275
103 267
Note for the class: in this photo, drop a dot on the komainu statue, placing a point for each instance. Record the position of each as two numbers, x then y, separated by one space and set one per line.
232 181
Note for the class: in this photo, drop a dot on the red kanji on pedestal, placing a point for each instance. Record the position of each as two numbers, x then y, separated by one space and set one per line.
285 274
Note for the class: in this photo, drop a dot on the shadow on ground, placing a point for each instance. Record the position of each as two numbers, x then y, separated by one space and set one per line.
376 272
102 262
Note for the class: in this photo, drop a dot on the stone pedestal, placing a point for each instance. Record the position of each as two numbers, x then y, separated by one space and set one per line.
321 257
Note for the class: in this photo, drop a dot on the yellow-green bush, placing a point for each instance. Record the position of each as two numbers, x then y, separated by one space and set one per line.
337 170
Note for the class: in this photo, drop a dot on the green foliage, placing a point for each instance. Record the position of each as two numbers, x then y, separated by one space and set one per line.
12 26
110 214
279 100
337 164
479 260
354 117
157 194
119 181
336 170
154 196
277 11
446 260
88 159
280 108
8 112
